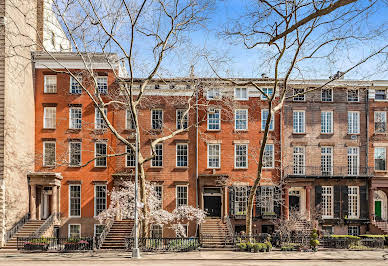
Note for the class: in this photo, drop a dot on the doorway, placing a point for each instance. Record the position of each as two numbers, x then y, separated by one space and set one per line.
378 210
212 201
294 200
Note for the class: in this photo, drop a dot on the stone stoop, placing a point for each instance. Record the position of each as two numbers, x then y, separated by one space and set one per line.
117 234
27 230
381 226
214 233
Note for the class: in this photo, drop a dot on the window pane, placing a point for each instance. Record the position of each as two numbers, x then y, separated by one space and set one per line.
100 198
298 157
214 155
181 155
100 122
101 152
298 122
74 231
241 155
241 119
48 153
300 97
50 84
380 122
181 123
380 158
49 117
264 116
75 200
213 119
240 200
130 158
327 95
181 195
327 201
157 161
75 87
75 153
327 161
268 158
326 122
102 85
75 118
157 119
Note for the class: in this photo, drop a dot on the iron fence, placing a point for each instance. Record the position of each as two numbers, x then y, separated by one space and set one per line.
164 244
46 244
317 171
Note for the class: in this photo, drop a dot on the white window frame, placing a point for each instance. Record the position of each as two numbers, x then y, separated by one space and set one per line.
353 126
182 156
99 122
264 115
378 115
350 99
80 200
299 121
240 200
185 120
239 94
214 156
326 125
69 232
354 230
177 193
95 198
129 125
327 202
353 161
327 100
267 199
102 84
385 94
217 122
241 115
71 153
299 156
266 90
159 195
159 227
95 228
95 154
155 122
213 94
44 153
78 120
77 85
272 156
49 117
353 202
45 86
129 150
385 158
154 160
301 97
327 161
243 157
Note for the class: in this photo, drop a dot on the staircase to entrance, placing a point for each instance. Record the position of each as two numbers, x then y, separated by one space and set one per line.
215 234
115 239
382 226
28 229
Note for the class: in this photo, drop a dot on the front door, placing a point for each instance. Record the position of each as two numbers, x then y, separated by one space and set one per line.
378 209
294 203
212 205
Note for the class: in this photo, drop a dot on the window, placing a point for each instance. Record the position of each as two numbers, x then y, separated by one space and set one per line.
241 155
241 94
74 231
181 196
181 123
300 97
49 117
98 229
353 95
327 122
353 122
268 157
75 153
213 155
213 119
100 153
298 121
353 161
380 122
99 199
240 200
156 231
75 200
99 120
75 86
50 84
268 91
353 204
380 158
267 196
129 122
213 94
75 120
264 116
157 119
327 202
157 161
49 153
298 157
181 155
327 95
380 95
241 119
327 161
353 230
159 195
102 85
130 158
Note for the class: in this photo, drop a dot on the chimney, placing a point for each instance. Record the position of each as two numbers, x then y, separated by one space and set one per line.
192 71
264 76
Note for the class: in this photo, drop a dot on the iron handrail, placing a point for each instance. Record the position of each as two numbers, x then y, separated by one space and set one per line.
47 223
104 233
10 233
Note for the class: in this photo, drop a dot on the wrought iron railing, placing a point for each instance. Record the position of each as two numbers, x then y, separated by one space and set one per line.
54 244
229 236
318 171
104 233
47 223
10 233
164 244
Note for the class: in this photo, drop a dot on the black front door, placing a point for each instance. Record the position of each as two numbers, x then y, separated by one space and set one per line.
294 203
212 205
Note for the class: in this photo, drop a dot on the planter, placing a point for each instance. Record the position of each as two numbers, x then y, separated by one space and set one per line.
36 246
75 246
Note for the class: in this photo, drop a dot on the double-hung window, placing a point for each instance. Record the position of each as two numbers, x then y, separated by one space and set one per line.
299 161
157 119
267 199
380 158
299 95
264 116
268 157
381 94
214 119
298 121
49 153
75 153
75 200
353 161
353 95
241 119
213 155
100 153
75 121
327 95
241 155
130 157
380 122
74 231
50 84
182 120
75 86
268 91
240 200
182 155
353 202
353 230
156 231
99 199
213 94
159 195
157 160
326 122
102 85
129 122
241 94
353 122
49 117
327 161
327 202
99 119
181 196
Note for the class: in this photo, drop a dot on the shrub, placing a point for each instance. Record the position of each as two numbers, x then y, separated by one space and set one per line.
242 246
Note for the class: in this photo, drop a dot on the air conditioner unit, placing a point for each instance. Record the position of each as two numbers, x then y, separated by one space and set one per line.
353 137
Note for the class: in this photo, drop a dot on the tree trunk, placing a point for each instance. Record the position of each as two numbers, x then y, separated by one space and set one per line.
248 217
143 199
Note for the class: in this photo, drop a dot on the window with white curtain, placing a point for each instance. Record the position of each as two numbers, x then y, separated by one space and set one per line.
380 158
49 117
50 84
75 121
